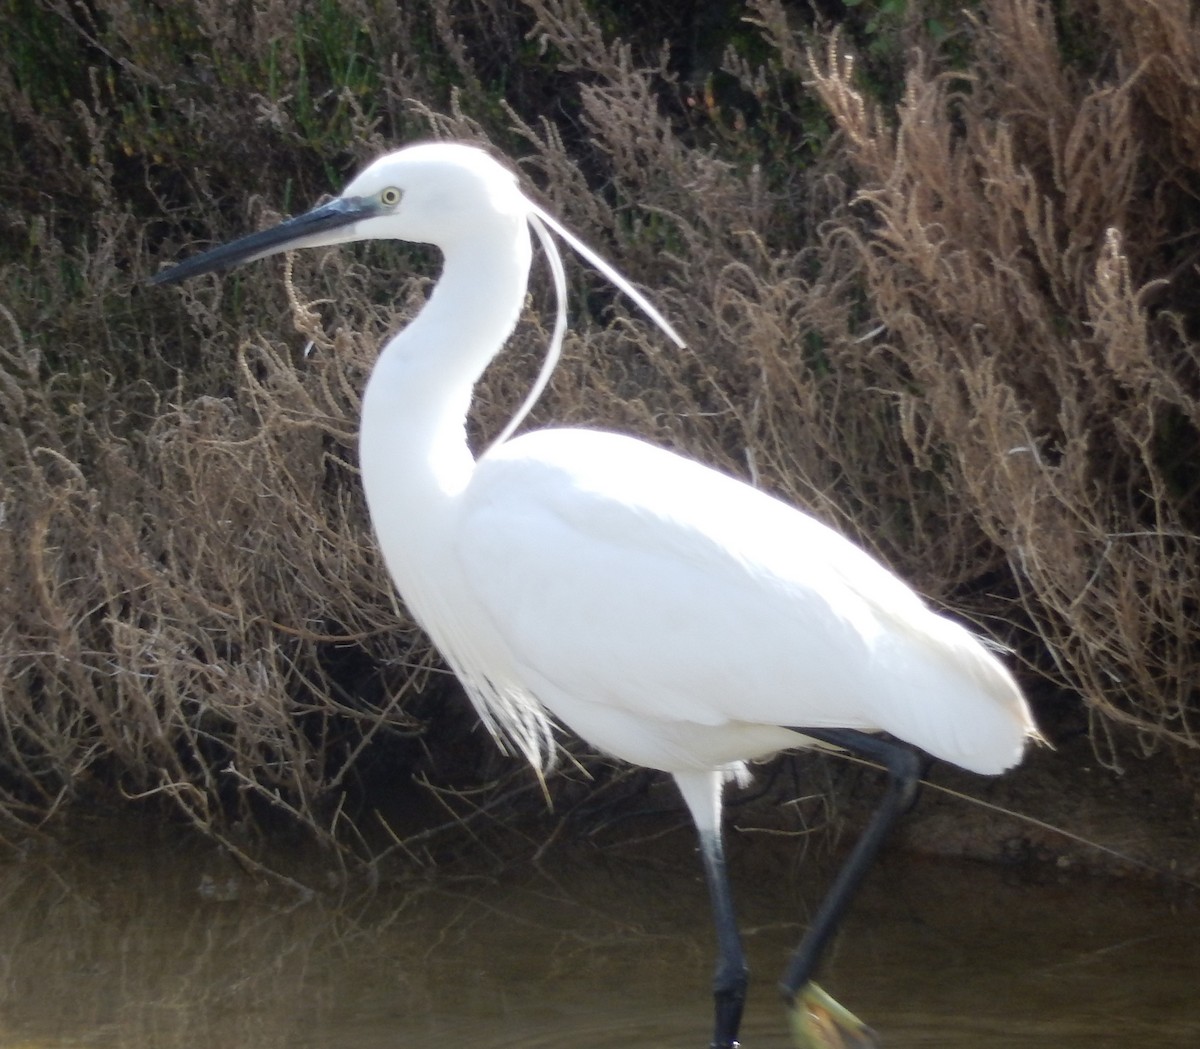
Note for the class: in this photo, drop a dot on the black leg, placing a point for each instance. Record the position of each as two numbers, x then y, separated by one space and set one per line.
729 980
903 767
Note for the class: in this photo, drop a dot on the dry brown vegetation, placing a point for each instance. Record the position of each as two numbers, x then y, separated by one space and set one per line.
960 327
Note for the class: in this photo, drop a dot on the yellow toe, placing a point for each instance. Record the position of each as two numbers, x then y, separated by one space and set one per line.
819 1022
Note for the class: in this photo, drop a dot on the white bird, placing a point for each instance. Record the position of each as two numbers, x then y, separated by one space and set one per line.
670 615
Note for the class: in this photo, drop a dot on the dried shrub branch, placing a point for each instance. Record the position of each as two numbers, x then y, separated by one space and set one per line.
965 335
1015 259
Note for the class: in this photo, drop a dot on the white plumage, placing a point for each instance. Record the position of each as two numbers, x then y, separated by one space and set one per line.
675 617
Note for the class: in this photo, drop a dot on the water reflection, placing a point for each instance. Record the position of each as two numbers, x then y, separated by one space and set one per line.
158 945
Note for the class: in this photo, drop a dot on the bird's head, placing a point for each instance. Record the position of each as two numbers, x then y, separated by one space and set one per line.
436 193
440 193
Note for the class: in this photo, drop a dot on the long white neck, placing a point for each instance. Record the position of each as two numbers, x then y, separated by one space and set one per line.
412 442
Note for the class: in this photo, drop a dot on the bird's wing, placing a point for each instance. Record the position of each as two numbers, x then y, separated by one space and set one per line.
630 577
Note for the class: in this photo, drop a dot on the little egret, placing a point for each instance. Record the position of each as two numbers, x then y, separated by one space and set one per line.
672 616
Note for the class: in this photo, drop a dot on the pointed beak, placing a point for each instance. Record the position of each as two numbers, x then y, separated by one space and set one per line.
325 224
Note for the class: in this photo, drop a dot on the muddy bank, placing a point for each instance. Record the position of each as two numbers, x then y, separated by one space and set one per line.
1063 810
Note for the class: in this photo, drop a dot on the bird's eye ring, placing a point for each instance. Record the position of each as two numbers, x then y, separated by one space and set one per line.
389 197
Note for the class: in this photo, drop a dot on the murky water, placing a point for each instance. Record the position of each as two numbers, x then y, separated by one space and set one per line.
141 945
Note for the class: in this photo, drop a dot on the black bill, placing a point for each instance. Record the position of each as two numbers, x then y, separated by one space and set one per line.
307 230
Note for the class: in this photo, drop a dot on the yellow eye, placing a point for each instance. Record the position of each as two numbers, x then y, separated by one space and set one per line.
389 197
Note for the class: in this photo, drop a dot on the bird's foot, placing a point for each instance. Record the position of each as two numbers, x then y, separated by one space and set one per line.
819 1022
